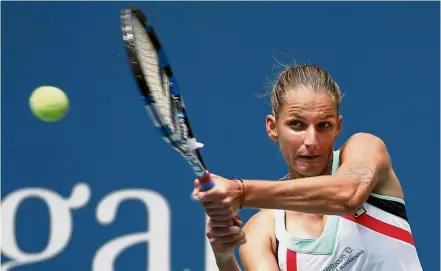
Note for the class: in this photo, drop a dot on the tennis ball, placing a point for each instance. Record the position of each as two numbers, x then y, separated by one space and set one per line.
49 103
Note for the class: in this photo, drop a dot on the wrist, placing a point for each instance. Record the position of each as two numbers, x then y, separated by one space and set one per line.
241 191
224 257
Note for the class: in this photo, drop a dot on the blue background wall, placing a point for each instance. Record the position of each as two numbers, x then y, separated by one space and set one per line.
385 57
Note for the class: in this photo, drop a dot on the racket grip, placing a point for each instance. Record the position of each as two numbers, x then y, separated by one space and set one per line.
206 182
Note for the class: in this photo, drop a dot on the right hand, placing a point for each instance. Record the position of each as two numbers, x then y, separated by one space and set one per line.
225 235
223 200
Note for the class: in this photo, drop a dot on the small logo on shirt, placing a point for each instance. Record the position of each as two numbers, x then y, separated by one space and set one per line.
359 212
344 259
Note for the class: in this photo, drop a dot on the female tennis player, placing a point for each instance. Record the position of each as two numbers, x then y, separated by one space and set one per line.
334 210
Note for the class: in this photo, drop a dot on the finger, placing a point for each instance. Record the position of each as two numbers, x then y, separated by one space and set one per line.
220 223
219 211
237 222
196 190
197 183
228 240
214 204
225 231
217 241
234 243
219 203
231 245
217 193
219 217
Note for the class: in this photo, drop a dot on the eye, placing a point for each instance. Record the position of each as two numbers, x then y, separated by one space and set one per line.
296 124
324 125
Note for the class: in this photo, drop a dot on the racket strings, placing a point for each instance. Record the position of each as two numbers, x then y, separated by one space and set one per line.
157 81
179 122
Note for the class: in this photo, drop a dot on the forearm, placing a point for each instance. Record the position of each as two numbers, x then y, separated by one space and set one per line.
227 263
322 195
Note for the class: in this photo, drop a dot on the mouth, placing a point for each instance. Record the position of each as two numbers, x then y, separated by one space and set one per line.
308 157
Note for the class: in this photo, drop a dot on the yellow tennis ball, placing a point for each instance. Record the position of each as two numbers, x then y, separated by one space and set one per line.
49 103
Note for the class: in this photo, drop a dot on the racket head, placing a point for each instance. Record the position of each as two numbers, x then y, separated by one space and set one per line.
158 87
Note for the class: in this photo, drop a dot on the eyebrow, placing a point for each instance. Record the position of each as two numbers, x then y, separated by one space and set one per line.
296 115
327 115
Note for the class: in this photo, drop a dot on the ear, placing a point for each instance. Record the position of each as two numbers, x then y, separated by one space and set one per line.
339 125
271 128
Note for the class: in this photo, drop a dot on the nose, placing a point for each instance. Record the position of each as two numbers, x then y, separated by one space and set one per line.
310 138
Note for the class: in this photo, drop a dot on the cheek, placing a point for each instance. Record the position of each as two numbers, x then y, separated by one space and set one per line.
326 141
290 141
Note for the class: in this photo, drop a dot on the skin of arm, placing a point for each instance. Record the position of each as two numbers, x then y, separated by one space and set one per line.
227 239
227 263
365 164
258 253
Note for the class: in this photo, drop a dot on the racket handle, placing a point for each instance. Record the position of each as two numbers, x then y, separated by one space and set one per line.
206 182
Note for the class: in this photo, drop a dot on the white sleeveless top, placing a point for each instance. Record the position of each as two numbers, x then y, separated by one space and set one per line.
376 238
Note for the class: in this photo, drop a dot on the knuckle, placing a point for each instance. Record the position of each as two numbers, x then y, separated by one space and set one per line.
225 203
224 211
223 223
222 218
218 223
234 230
210 213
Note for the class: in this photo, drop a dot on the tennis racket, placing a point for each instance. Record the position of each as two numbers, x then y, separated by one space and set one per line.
160 92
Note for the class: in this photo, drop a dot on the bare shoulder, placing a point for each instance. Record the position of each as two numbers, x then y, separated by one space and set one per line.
367 148
362 141
258 253
261 222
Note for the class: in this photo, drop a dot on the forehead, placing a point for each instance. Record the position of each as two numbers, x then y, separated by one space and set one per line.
305 101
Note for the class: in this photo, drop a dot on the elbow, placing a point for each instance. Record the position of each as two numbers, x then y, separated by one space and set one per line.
351 206
350 201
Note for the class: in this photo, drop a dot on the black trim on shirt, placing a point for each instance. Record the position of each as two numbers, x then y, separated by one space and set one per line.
389 206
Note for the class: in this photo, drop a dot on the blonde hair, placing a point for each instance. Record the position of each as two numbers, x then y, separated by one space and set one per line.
309 76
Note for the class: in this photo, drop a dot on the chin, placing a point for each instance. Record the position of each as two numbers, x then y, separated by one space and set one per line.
309 171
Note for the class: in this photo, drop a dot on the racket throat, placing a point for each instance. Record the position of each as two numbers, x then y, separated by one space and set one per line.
182 130
195 164
193 145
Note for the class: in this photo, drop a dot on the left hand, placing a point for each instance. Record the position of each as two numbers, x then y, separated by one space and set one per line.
224 200
225 239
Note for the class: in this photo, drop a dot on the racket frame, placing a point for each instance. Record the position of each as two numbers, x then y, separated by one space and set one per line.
187 147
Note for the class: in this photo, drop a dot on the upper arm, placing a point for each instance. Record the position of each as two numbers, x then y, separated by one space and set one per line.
257 253
366 162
